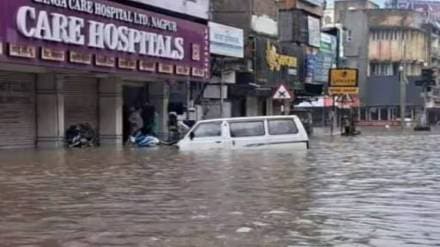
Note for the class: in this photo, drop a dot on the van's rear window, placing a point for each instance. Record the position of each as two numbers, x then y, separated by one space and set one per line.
282 127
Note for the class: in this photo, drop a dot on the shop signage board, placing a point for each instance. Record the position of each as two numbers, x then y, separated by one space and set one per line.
314 31
344 82
226 40
276 61
101 35
343 90
326 58
344 78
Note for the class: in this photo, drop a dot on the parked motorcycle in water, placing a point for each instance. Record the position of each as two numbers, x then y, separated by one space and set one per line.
80 135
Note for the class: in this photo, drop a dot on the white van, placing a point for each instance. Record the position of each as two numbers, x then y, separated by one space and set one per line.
274 132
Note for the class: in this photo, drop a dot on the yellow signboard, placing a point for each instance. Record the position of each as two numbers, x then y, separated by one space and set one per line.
343 90
275 61
343 78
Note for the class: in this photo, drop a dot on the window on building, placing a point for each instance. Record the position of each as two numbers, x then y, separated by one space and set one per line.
247 129
396 67
363 114
374 35
384 114
282 127
349 36
382 69
213 129
374 114
386 35
328 20
394 113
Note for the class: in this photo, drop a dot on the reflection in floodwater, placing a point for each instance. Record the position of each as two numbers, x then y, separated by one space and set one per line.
369 191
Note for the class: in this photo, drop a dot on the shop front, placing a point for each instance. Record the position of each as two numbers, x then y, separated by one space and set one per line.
64 63
276 65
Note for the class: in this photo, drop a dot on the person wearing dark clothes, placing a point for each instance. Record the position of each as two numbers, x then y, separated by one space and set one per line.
173 127
147 114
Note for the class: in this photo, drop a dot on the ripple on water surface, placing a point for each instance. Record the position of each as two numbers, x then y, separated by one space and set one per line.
375 190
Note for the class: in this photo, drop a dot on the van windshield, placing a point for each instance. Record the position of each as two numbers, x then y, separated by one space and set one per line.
212 129
282 127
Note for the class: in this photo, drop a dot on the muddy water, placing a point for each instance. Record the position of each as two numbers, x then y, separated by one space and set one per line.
375 190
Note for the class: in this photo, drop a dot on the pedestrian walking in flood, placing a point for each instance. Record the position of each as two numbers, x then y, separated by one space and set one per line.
135 120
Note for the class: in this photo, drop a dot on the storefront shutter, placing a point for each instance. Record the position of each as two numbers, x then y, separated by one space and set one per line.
81 101
17 110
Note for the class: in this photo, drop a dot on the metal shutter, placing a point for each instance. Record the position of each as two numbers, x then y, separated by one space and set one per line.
81 101
17 110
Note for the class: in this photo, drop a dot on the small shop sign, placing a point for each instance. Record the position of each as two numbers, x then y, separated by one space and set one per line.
343 82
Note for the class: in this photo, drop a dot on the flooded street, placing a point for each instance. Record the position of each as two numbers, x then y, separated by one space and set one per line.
374 190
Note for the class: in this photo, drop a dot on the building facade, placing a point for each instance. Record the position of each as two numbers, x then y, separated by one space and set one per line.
251 95
69 62
398 47
271 60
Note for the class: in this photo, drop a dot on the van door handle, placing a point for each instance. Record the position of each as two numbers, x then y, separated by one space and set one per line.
233 143
218 142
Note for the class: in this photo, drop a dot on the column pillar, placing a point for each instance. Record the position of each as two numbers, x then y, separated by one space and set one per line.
251 106
110 111
50 111
269 106
159 97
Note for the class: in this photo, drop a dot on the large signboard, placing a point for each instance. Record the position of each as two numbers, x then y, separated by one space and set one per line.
196 8
276 61
343 78
343 81
314 31
326 58
101 35
226 40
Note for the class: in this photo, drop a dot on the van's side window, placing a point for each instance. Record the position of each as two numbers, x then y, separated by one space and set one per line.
282 127
208 130
247 129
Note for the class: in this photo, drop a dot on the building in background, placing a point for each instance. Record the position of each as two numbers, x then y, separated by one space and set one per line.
431 12
65 71
398 42
300 29
266 63
227 49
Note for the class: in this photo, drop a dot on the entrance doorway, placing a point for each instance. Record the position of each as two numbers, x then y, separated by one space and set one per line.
134 97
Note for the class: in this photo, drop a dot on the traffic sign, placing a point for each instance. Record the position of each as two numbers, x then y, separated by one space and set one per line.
343 78
343 90
282 93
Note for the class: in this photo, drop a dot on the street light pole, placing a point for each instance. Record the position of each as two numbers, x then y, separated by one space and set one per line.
222 102
403 82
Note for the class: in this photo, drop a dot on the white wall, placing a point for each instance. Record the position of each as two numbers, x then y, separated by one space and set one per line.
197 8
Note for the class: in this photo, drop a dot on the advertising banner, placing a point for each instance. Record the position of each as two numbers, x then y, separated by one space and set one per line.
326 58
314 30
226 40
102 36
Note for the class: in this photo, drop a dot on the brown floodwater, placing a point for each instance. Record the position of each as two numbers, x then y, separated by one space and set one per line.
374 190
